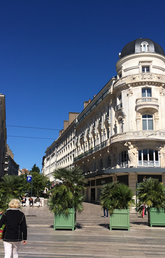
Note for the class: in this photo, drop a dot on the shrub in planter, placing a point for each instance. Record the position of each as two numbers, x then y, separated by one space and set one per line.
66 197
151 192
117 198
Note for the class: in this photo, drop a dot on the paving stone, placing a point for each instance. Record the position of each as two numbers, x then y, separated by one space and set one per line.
92 238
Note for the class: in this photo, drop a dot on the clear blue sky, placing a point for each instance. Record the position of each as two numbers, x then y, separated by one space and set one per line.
55 54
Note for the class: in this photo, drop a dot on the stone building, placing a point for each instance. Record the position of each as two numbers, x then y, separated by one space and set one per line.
61 152
11 167
120 134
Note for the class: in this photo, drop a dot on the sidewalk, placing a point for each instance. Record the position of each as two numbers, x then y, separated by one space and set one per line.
91 239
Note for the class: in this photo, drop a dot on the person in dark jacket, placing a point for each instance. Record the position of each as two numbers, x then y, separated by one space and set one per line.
15 229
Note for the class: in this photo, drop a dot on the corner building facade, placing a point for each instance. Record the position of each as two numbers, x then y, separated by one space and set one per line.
120 134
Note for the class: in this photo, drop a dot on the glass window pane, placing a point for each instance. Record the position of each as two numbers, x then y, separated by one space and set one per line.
143 93
148 92
150 125
156 155
147 69
144 125
140 155
145 154
151 155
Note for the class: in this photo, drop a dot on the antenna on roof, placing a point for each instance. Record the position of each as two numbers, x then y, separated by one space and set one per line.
140 36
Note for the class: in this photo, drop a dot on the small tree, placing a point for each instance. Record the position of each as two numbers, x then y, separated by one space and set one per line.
35 169
11 187
40 181
152 193
116 196
68 193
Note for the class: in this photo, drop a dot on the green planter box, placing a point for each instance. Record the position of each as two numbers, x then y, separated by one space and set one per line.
62 222
156 217
119 219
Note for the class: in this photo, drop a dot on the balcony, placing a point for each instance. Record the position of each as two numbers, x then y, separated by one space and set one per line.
138 135
92 150
148 163
92 106
147 103
140 78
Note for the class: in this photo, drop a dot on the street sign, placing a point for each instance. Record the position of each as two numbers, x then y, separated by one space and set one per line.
29 178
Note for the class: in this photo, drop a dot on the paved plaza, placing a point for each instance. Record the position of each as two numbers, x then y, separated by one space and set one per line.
92 237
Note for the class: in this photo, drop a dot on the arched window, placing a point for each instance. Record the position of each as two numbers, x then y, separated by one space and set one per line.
147 122
123 159
148 158
144 46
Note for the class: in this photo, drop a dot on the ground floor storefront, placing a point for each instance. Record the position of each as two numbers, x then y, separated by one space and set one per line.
130 178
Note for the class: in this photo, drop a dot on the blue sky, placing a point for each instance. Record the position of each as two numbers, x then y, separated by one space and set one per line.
56 54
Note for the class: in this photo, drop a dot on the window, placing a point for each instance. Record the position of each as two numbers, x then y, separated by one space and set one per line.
147 122
146 92
118 102
101 164
120 122
94 166
120 98
109 162
148 158
145 69
144 46
120 74
123 159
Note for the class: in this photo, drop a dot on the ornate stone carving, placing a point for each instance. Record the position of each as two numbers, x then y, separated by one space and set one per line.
162 91
132 151
162 155
130 91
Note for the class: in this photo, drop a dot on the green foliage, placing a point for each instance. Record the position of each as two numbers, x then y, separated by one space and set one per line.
40 182
116 196
11 187
35 169
67 194
152 193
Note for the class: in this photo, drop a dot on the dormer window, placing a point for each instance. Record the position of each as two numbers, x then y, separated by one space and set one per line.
144 46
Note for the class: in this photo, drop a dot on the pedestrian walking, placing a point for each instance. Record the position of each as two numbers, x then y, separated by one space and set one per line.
15 229
37 201
143 210
105 212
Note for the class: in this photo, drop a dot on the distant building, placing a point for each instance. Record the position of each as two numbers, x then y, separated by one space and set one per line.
24 171
61 152
11 167
120 134
3 136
